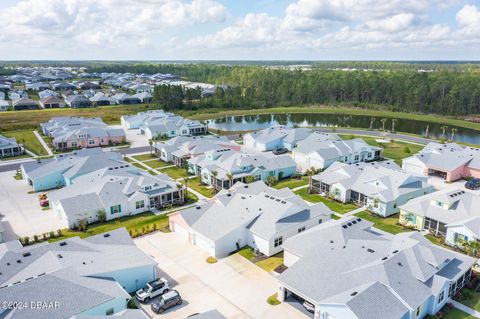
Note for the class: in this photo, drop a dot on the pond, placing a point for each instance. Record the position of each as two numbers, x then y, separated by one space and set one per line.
257 122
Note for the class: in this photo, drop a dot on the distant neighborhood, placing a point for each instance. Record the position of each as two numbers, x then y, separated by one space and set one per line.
33 88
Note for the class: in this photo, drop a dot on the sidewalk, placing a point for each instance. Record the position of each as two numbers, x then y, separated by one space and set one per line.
462 307
45 146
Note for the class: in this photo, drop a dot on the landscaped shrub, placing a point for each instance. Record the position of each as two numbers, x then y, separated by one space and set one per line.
273 300
52 234
35 238
211 260
59 233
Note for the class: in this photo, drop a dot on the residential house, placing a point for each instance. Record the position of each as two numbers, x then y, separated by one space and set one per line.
46 93
140 119
62 86
275 137
100 99
346 269
221 168
117 191
51 102
17 95
73 133
252 215
9 147
124 98
2 95
171 127
63 169
77 101
144 97
142 88
452 214
36 86
73 278
381 187
181 148
320 152
449 161
87 85
4 105
24 104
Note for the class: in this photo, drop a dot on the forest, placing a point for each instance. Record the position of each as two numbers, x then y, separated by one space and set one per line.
443 91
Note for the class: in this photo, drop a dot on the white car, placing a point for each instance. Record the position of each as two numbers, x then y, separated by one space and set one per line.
152 289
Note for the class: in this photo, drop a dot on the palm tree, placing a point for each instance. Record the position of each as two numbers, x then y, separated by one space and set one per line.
454 130
182 196
371 123
271 180
230 180
249 179
310 172
150 142
393 125
383 123
214 182
444 129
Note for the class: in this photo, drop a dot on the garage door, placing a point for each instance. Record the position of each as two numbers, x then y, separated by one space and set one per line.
411 168
180 230
203 243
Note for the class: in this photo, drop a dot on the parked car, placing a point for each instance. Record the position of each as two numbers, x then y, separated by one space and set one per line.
167 301
280 151
474 183
152 289
307 305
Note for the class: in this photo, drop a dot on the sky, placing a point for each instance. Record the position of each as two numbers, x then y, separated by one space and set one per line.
240 30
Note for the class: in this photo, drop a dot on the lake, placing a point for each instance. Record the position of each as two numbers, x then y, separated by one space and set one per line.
258 122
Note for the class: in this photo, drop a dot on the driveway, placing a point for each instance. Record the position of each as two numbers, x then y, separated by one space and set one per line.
234 286
22 213
134 137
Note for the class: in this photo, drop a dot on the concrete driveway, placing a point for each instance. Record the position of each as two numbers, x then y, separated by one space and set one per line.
234 286
22 213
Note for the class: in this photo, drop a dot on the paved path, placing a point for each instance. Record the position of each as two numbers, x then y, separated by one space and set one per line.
466 309
45 146
299 187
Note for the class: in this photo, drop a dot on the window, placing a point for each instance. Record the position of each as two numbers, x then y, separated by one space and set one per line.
140 204
440 297
357 157
278 241
147 188
116 209
74 144
301 229
418 311
91 142
109 312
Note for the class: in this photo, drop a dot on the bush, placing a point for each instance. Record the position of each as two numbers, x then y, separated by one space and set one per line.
59 233
211 260
273 300
35 238
52 234
102 216
406 150
132 304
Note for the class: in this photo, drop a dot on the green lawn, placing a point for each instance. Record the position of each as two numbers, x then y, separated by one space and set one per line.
145 157
132 223
156 163
388 224
175 172
195 184
268 264
28 139
292 183
333 205
394 150
473 301
458 314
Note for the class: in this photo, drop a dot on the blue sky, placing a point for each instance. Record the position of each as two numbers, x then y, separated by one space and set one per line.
240 29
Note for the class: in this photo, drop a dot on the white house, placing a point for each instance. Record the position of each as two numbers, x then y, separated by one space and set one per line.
216 166
140 119
247 215
379 186
319 152
346 269
452 214
275 137
117 192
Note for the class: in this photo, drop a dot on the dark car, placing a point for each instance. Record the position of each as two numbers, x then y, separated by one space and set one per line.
474 183
166 301
280 151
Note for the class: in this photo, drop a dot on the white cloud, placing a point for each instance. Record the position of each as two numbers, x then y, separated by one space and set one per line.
102 21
